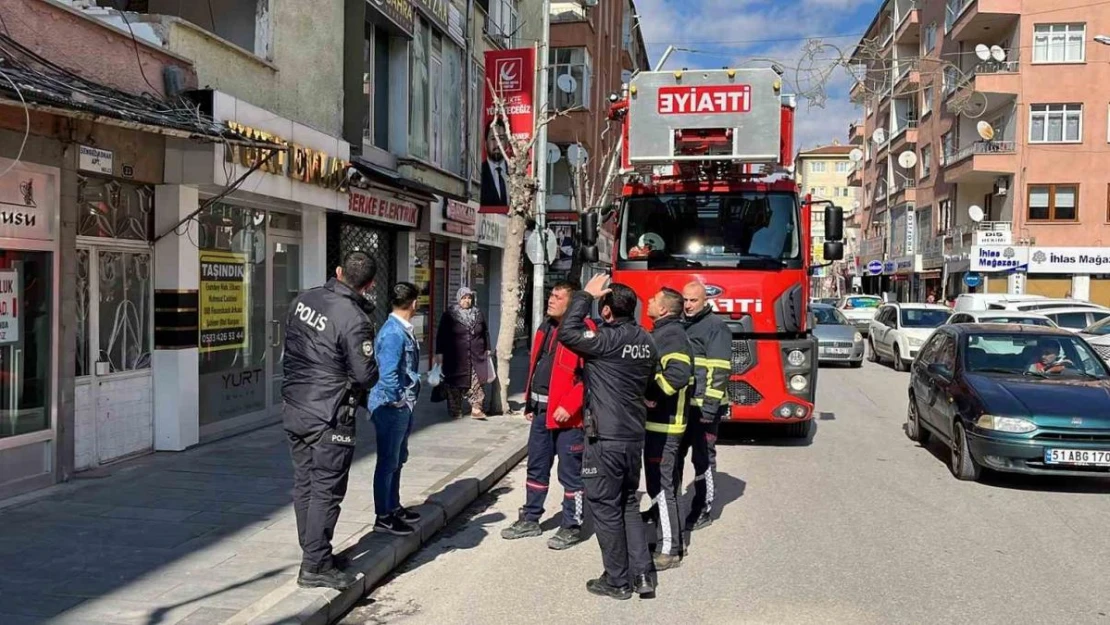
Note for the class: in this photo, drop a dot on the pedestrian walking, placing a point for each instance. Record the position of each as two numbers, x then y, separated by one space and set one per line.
712 345
463 350
619 360
329 367
666 424
553 403
391 404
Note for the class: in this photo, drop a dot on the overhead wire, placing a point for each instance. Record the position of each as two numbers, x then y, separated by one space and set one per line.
27 121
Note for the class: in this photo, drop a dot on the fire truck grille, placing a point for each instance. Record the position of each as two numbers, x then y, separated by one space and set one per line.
741 393
741 356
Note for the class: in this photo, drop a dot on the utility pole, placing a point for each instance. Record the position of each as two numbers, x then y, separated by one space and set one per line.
540 160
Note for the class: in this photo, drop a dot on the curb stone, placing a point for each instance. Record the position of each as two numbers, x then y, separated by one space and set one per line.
374 556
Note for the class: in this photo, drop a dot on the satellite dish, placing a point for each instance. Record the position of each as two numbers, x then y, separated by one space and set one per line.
997 53
985 130
975 212
907 159
566 83
577 155
879 136
983 51
856 155
554 154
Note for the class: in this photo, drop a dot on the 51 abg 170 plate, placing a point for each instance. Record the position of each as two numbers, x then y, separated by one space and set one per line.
1079 457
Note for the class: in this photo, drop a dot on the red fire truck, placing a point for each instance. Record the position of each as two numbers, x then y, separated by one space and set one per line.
708 194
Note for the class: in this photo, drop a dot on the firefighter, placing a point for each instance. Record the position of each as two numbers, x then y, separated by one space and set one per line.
553 400
329 367
619 360
712 345
666 423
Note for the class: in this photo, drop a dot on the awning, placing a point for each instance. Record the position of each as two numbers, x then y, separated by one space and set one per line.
392 178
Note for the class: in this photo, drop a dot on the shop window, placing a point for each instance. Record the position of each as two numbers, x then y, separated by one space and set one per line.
1053 202
571 72
114 313
25 338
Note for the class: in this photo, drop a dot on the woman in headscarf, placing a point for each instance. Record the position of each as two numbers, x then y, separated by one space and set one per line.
463 349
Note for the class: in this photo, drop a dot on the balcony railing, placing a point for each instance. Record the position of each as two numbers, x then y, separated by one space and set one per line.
979 147
953 10
910 7
568 12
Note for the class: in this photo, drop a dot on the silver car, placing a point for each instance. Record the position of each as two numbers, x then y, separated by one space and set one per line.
838 340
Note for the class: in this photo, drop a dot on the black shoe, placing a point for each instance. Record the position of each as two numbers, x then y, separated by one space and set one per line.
521 528
565 538
340 562
665 561
392 525
703 520
331 578
644 586
603 588
406 515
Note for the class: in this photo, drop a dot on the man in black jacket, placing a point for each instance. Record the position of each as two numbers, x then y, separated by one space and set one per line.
666 423
328 369
711 341
619 361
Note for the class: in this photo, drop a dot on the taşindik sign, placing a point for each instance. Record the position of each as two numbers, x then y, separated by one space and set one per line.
9 306
384 208
459 218
511 75
295 161
400 12
223 301
95 160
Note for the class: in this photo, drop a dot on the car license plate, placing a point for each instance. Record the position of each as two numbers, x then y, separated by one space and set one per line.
837 351
1085 457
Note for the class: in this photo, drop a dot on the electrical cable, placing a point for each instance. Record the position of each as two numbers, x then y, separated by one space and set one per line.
27 119
138 59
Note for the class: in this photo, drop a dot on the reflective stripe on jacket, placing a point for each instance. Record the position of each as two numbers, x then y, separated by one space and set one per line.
674 376
711 342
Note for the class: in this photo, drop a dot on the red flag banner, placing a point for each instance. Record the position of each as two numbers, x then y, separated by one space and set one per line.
512 75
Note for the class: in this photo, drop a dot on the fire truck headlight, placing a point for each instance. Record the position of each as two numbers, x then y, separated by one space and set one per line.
785 412
796 358
798 382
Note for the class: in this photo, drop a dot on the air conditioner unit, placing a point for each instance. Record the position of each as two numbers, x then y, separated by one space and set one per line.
1001 186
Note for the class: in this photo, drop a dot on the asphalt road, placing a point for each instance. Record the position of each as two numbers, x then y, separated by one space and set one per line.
858 526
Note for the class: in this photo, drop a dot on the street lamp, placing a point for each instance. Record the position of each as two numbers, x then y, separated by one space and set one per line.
1103 39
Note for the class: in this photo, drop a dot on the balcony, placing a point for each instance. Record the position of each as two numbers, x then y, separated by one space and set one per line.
980 162
909 28
905 134
908 78
562 12
855 133
903 191
975 21
995 78
855 177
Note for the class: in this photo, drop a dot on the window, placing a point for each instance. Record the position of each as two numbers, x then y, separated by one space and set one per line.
843 192
26 362
929 41
435 128
1059 43
948 145
953 10
571 74
1055 123
817 167
843 167
418 103
926 161
502 22
375 86
477 85
951 79
1053 202
945 224
927 101
1070 320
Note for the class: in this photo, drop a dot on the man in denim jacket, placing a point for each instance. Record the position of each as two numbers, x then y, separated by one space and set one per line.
391 402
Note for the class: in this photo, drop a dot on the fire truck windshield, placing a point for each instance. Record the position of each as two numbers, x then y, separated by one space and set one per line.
748 230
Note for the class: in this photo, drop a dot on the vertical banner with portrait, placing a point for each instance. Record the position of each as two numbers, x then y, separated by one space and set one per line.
510 74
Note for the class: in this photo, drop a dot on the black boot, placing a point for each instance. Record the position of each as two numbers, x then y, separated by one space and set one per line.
644 585
521 528
328 578
698 522
603 588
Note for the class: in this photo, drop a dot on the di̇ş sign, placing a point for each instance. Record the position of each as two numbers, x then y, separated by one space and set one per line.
223 301
9 306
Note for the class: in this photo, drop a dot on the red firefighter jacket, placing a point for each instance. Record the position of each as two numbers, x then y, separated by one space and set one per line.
565 388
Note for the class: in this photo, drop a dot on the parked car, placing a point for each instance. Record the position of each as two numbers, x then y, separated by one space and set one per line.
860 310
1097 336
837 339
1041 303
899 330
1073 318
1002 316
1016 398
982 301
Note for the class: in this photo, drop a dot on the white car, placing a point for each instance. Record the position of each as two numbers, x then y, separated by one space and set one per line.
899 330
1097 336
983 301
860 310
1075 318
1002 316
1040 303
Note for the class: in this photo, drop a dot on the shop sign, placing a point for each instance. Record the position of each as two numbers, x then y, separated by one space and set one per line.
384 208
511 81
232 393
223 301
294 161
905 264
888 267
437 11
993 237
493 230
95 160
459 218
911 231
26 203
994 258
9 306
1081 260
399 12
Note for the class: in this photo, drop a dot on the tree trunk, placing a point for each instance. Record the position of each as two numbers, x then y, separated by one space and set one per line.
510 307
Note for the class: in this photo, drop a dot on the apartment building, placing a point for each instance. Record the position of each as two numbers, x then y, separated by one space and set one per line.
984 135
823 174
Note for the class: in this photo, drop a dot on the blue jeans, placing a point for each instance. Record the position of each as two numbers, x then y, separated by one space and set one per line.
392 426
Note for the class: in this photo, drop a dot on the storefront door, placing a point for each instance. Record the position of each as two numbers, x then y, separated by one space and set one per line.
285 284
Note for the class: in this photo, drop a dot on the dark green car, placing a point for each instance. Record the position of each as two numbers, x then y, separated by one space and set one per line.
1021 399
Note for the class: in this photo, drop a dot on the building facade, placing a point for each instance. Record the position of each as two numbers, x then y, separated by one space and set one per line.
822 173
1001 105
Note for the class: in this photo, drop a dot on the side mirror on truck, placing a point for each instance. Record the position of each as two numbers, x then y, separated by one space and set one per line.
834 226
834 250
587 236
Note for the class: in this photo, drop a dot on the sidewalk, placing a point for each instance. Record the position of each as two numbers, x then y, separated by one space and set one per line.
208 535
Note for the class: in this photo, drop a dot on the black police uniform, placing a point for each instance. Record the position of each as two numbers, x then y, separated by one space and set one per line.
329 367
619 361
666 424
712 344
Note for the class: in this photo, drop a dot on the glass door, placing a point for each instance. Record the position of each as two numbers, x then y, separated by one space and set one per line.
285 284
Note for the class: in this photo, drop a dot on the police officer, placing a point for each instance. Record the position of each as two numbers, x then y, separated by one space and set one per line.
619 361
329 367
712 345
666 423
